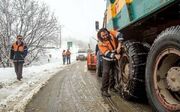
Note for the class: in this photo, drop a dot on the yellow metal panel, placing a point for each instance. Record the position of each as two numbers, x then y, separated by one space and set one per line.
129 1
109 12
115 8
118 5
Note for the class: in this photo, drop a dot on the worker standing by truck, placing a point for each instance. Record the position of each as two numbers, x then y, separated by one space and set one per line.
150 54
108 46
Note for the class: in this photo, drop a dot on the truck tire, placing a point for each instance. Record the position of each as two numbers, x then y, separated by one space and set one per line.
131 75
162 64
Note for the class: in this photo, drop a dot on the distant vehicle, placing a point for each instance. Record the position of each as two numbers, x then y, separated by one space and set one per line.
91 61
81 55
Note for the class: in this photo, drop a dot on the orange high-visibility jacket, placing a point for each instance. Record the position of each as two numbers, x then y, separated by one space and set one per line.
18 52
106 48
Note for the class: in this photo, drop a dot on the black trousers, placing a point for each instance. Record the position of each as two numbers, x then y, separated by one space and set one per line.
108 77
18 69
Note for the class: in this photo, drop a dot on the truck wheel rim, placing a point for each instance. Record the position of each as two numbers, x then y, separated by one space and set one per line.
167 59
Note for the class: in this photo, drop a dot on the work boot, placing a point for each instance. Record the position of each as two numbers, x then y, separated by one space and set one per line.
20 76
114 90
19 79
105 93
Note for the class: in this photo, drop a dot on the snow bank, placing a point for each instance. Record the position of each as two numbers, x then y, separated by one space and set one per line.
14 94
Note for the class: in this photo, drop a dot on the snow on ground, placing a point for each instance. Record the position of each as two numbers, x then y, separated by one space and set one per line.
14 94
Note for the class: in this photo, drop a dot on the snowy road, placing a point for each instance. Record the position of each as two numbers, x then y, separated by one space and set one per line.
75 89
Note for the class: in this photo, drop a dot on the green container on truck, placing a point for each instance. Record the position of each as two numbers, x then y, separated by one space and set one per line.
150 62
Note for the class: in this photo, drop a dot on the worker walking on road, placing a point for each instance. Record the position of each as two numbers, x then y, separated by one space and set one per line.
109 45
17 55
68 55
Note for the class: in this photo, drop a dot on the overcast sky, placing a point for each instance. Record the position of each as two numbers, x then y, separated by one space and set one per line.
78 16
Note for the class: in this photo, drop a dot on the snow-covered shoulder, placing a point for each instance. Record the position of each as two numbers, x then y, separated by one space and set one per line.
14 94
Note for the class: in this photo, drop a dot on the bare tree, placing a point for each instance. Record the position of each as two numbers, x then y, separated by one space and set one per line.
34 22
6 21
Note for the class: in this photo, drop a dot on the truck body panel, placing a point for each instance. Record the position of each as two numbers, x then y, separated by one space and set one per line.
122 13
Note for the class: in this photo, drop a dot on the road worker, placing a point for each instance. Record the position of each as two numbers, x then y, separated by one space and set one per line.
68 55
17 55
110 45
64 56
